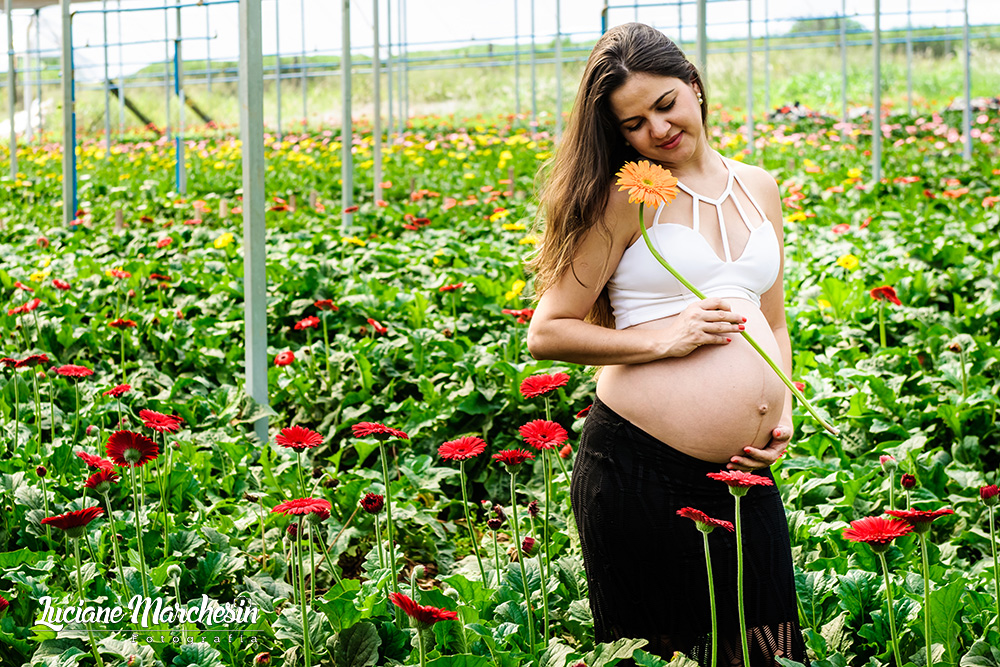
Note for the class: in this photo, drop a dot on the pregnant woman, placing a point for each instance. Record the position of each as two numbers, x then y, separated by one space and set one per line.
680 393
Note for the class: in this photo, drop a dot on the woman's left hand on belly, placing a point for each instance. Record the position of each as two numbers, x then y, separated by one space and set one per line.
762 458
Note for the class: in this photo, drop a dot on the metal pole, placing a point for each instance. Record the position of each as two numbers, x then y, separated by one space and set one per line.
909 60
302 69
767 61
967 112
11 88
702 38
69 122
388 63
38 81
604 17
29 95
877 110
121 75
680 25
346 129
254 243
208 48
559 70
377 102
843 60
107 85
179 147
404 12
277 62
534 77
402 64
517 68
750 145
167 62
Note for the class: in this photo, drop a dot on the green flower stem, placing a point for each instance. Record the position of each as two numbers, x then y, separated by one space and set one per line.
79 585
298 467
17 416
892 614
52 409
881 322
711 601
138 532
927 594
996 567
468 521
326 557
45 504
388 528
420 647
76 415
177 597
263 542
124 379
965 378
496 556
739 581
524 573
694 290
302 597
38 413
326 350
114 546
161 487
892 489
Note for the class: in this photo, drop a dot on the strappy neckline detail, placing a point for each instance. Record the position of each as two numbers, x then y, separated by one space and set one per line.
717 203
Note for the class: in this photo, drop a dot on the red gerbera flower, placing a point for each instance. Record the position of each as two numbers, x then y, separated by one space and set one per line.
378 327
920 520
513 457
118 390
309 322
3 604
69 370
887 293
158 276
102 480
325 304
542 434
127 448
18 284
423 617
466 447
539 385
32 305
164 242
377 431
61 284
705 523
117 273
298 438
159 422
989 494
122 323
451 288
876 531
583 413
303 506
8 362
95 462
32 360
284 358
74 523
739 482
372 503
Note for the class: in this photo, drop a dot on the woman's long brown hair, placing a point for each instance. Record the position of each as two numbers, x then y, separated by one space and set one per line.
578 181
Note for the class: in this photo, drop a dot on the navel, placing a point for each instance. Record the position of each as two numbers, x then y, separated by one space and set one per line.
762 408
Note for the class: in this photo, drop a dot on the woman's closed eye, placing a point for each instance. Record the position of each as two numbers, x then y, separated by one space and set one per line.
639 124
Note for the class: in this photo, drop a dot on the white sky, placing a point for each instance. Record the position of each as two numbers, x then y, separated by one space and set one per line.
431 24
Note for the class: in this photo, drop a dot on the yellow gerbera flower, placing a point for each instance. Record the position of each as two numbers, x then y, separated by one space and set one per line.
849 262
647 183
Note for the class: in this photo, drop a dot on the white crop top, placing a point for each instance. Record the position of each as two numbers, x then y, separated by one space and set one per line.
641 289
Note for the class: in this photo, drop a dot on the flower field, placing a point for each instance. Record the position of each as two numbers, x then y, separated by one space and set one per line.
412 499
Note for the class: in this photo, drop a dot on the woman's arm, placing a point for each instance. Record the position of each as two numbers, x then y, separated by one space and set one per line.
558 330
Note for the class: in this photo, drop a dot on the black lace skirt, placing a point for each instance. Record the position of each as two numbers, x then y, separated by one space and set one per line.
646 565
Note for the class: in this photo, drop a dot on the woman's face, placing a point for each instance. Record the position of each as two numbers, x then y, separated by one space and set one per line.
659 116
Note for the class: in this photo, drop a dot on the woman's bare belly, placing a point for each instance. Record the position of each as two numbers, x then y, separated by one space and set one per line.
709 404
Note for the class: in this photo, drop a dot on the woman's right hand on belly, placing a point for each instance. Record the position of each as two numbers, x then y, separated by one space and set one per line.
706 322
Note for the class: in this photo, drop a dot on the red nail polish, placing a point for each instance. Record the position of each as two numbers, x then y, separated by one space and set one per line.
744 319
729 340
742 327
746 449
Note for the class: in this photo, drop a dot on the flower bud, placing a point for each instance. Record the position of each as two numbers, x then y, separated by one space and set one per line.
498 510
372 503
990 494
317 472
41 471
90 429
174 572
566 451
888 463
251 497
908 481
418 572
331 483
262 659
292 530
494 524
533 509
955 346
528 546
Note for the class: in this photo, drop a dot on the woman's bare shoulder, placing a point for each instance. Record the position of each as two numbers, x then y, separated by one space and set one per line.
759 180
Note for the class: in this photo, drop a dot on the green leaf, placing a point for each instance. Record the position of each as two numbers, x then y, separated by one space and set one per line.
144 654
981 655
450 636
857 593
610 654
643 659
946 607
556 654
459 661
356 646
198 655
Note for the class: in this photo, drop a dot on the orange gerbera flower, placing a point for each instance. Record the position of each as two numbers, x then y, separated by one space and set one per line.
647 183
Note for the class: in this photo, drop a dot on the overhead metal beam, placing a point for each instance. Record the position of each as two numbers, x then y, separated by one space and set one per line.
346 127
11 88
877 102
68 117
251 88
377 103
